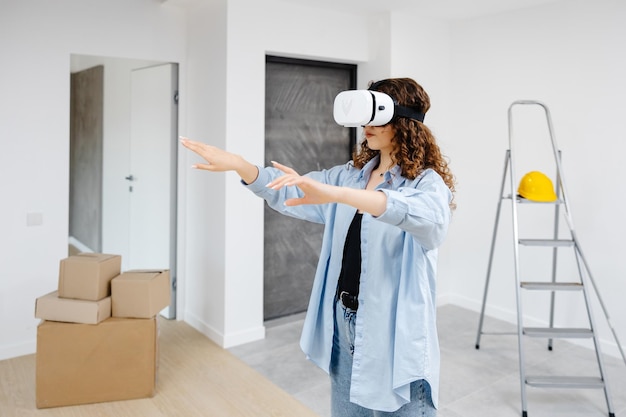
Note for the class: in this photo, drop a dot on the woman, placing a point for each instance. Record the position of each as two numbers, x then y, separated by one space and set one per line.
371 317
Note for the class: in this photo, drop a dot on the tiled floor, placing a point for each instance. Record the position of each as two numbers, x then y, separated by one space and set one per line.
474 383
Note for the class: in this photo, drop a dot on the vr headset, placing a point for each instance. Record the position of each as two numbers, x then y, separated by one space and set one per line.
355 108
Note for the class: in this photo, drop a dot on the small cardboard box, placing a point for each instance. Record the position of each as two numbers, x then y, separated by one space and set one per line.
140 293
52 307
82 363
87 276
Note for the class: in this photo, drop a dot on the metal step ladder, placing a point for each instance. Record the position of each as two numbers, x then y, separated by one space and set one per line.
553 286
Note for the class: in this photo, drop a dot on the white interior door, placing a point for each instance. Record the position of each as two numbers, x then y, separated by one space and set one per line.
152 179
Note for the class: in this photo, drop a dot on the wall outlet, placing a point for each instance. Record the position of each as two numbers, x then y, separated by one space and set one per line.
34 219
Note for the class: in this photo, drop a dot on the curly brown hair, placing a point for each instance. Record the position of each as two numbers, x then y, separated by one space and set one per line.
415 146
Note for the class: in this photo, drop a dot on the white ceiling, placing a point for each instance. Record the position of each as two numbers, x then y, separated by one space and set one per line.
444 9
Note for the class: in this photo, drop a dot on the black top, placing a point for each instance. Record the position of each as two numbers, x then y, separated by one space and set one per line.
351 262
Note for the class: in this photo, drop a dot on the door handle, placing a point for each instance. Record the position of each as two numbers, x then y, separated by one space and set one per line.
130 178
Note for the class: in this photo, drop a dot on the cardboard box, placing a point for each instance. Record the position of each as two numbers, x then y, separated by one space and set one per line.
140 293
82 363
52 307
87 276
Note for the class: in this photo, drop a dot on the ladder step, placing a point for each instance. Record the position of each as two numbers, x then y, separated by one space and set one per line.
523 200
552 286
564 333
499 333
565 382
546 242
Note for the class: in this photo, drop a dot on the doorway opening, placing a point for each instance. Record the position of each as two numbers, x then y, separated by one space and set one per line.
123 162
300 132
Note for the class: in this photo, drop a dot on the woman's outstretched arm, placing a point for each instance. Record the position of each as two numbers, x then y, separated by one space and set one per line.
218 160
369 201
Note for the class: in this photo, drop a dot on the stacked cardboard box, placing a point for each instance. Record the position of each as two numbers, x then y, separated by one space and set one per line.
98 339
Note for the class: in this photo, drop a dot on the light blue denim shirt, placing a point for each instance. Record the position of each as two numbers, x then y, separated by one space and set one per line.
396 338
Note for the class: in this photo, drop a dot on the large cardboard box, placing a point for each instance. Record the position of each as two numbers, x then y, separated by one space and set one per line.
87 276
140 293
52 307
85 363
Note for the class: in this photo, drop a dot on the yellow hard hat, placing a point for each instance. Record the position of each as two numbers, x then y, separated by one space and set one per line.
536 186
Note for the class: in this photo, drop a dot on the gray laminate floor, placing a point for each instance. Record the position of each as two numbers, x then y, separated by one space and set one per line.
474 383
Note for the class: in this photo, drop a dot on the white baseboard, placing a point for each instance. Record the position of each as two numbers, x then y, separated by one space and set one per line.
79 245
20 349
607 346
226 341
247 336
204 328
507 315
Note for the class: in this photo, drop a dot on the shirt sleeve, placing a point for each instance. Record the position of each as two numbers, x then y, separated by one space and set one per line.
421 208
276 198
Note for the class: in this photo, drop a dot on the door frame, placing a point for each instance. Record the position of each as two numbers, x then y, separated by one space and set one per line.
171 91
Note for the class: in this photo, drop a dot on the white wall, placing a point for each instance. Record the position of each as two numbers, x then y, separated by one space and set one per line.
226 301
203 250
420 49
37 38
567 54
571 56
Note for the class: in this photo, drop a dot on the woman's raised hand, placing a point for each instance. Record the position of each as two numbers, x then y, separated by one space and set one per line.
315 192
219 160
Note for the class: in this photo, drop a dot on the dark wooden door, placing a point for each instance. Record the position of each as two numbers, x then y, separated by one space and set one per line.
299 132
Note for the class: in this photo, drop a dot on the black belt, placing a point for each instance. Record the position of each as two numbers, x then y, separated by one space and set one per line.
348 300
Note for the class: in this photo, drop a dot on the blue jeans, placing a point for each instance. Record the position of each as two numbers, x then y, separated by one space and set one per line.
341 370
